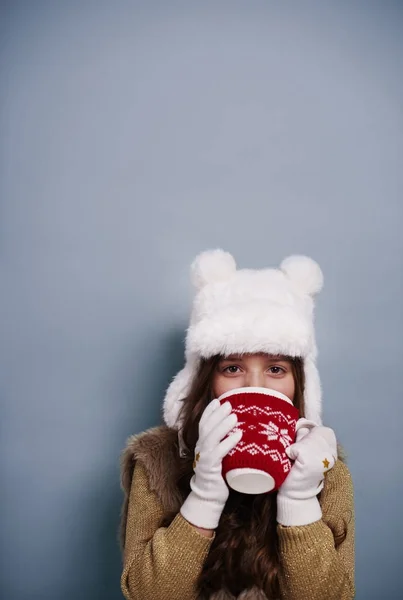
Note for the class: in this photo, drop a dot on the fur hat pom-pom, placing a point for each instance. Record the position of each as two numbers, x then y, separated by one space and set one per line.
212 266
304 272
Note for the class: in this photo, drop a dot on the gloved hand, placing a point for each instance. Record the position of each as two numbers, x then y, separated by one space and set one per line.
314 453
206 501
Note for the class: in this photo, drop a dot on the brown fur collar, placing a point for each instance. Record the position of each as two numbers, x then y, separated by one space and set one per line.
158 451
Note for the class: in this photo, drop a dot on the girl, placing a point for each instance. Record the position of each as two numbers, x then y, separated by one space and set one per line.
185 534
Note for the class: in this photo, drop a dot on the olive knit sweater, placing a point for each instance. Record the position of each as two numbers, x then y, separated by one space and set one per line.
164 563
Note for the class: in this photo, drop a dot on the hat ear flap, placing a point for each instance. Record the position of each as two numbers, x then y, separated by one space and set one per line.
304 272
212 266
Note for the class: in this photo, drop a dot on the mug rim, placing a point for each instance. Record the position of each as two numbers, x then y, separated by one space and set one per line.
254 390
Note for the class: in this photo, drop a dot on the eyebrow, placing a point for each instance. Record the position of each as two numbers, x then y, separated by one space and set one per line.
239 358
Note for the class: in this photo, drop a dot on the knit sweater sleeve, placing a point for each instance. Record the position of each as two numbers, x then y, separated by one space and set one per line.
313 567
159 562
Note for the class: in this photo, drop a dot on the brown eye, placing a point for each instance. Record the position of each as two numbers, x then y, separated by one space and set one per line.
277 370
231 369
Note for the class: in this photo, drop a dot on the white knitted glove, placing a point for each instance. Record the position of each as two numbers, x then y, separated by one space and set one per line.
314 453
206 501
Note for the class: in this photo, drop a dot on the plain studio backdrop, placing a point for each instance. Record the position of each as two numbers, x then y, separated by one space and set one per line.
133 136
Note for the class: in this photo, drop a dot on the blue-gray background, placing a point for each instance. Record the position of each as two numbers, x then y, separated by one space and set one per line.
134 135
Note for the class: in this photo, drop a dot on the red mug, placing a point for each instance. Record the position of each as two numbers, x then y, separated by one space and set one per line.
268 419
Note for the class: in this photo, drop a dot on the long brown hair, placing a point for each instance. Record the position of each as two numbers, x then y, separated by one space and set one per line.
244 552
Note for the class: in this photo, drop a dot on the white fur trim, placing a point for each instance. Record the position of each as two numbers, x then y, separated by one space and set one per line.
304 272
212 266
313 392
251 327
177 391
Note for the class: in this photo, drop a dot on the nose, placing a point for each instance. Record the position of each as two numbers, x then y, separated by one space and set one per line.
255 379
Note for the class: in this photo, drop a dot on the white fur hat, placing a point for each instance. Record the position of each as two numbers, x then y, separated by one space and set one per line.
248 311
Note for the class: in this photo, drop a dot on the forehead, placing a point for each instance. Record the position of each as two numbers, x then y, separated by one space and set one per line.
259 356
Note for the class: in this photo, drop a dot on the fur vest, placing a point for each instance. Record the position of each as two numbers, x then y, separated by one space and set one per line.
158 451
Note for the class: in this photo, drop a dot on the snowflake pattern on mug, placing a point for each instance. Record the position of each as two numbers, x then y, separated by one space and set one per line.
237 428
276 433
